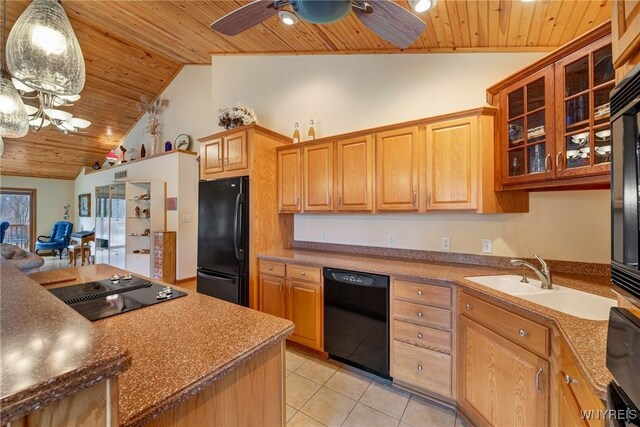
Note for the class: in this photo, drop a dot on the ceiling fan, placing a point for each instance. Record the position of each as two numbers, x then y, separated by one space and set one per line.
387 19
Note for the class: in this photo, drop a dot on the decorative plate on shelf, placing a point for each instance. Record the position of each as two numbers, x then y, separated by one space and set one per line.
183 142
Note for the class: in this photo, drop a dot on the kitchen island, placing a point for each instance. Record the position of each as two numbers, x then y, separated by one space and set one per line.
194 360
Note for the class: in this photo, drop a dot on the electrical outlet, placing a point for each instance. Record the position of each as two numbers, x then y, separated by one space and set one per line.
392 241
445 242
186 218
324 237
487 246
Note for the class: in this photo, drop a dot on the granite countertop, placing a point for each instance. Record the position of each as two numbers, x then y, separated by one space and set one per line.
47 350
177 347
586 339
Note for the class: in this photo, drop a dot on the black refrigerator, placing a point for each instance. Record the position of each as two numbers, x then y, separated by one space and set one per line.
223 232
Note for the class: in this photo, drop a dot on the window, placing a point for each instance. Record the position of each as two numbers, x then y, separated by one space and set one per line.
18 208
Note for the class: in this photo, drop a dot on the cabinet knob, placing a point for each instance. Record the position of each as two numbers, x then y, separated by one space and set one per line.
468 306
569 380
523 332
419 293
419 314
270 268
419 335
302 273
419 367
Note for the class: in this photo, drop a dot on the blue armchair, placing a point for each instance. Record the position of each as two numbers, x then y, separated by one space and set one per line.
3 229
58 240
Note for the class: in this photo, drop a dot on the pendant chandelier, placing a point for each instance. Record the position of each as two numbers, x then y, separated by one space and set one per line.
13 114
46 64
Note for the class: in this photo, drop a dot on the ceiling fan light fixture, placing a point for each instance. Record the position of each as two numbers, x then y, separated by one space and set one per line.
43 52
287 17
321 11
420 6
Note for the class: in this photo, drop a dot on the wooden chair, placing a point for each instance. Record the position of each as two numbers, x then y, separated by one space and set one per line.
74 251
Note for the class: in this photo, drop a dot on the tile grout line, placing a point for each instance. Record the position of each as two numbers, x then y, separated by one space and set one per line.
316 392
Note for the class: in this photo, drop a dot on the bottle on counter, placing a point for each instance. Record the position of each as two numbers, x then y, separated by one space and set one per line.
296 133
167 146
143 152
311 135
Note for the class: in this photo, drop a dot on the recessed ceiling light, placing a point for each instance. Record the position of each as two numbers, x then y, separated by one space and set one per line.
287 17
527 1
420 6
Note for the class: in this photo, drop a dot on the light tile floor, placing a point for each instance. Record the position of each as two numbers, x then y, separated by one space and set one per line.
328 393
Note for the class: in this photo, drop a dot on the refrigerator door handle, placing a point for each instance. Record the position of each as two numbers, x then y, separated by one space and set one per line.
236 223
215 276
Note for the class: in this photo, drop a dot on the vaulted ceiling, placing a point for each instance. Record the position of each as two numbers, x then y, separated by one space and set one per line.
134 48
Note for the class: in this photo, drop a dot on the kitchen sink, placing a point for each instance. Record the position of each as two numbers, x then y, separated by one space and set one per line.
566 300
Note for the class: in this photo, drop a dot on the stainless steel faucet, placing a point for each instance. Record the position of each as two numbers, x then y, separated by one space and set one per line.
543 273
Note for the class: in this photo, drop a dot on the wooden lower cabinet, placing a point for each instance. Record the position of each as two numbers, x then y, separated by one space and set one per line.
500 383
304 309
272 295
294 292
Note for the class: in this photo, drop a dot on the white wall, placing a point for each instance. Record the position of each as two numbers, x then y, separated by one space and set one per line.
180 173
51 196
190 110
352 92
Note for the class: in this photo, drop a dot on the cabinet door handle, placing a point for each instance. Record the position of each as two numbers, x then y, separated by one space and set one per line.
281 287
297 200
419 293
468 306
329 200
419 335
568 380
270 268
559 161
538 380
415 198
289 289
429 198
419 314
547 163
419 368
339 200
523 332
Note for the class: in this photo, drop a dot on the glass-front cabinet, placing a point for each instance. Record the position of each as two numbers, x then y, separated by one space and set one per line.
528 128
584 80
553 125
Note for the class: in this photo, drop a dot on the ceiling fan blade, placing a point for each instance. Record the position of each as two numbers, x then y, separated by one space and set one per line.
245 17
392 22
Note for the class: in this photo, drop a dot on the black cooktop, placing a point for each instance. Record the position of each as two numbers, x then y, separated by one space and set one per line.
105 298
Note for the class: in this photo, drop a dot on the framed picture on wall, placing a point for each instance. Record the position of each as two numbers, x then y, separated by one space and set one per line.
84 204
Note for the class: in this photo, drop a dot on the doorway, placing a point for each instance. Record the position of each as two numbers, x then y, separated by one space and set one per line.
18 208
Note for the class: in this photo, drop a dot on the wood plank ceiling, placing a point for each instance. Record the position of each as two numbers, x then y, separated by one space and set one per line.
133 48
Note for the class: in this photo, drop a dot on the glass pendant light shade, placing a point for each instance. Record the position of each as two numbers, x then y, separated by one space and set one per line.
13 114
43 51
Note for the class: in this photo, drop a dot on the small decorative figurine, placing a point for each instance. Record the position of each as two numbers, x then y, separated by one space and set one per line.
167 146
147 213
137 211
96 166
124 151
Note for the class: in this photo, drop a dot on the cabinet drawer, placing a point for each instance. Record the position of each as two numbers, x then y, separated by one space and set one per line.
421 367
273 268
310 274
423 336
524 332
421 293
422 314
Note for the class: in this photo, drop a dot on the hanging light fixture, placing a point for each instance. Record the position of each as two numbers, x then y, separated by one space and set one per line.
13 114
43 51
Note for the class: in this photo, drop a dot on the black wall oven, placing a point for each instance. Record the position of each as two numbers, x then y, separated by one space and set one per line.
625 186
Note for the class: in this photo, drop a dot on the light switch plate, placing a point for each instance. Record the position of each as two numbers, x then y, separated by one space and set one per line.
186 218
487 246
392 241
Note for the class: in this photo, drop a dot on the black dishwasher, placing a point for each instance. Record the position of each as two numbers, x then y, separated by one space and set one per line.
356 319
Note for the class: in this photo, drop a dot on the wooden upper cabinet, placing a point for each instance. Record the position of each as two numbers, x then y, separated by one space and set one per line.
583 134
235 150
452 164
211 156
526 129
625 29
354 174
318 177
397 170
500 383
228 153
289 180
